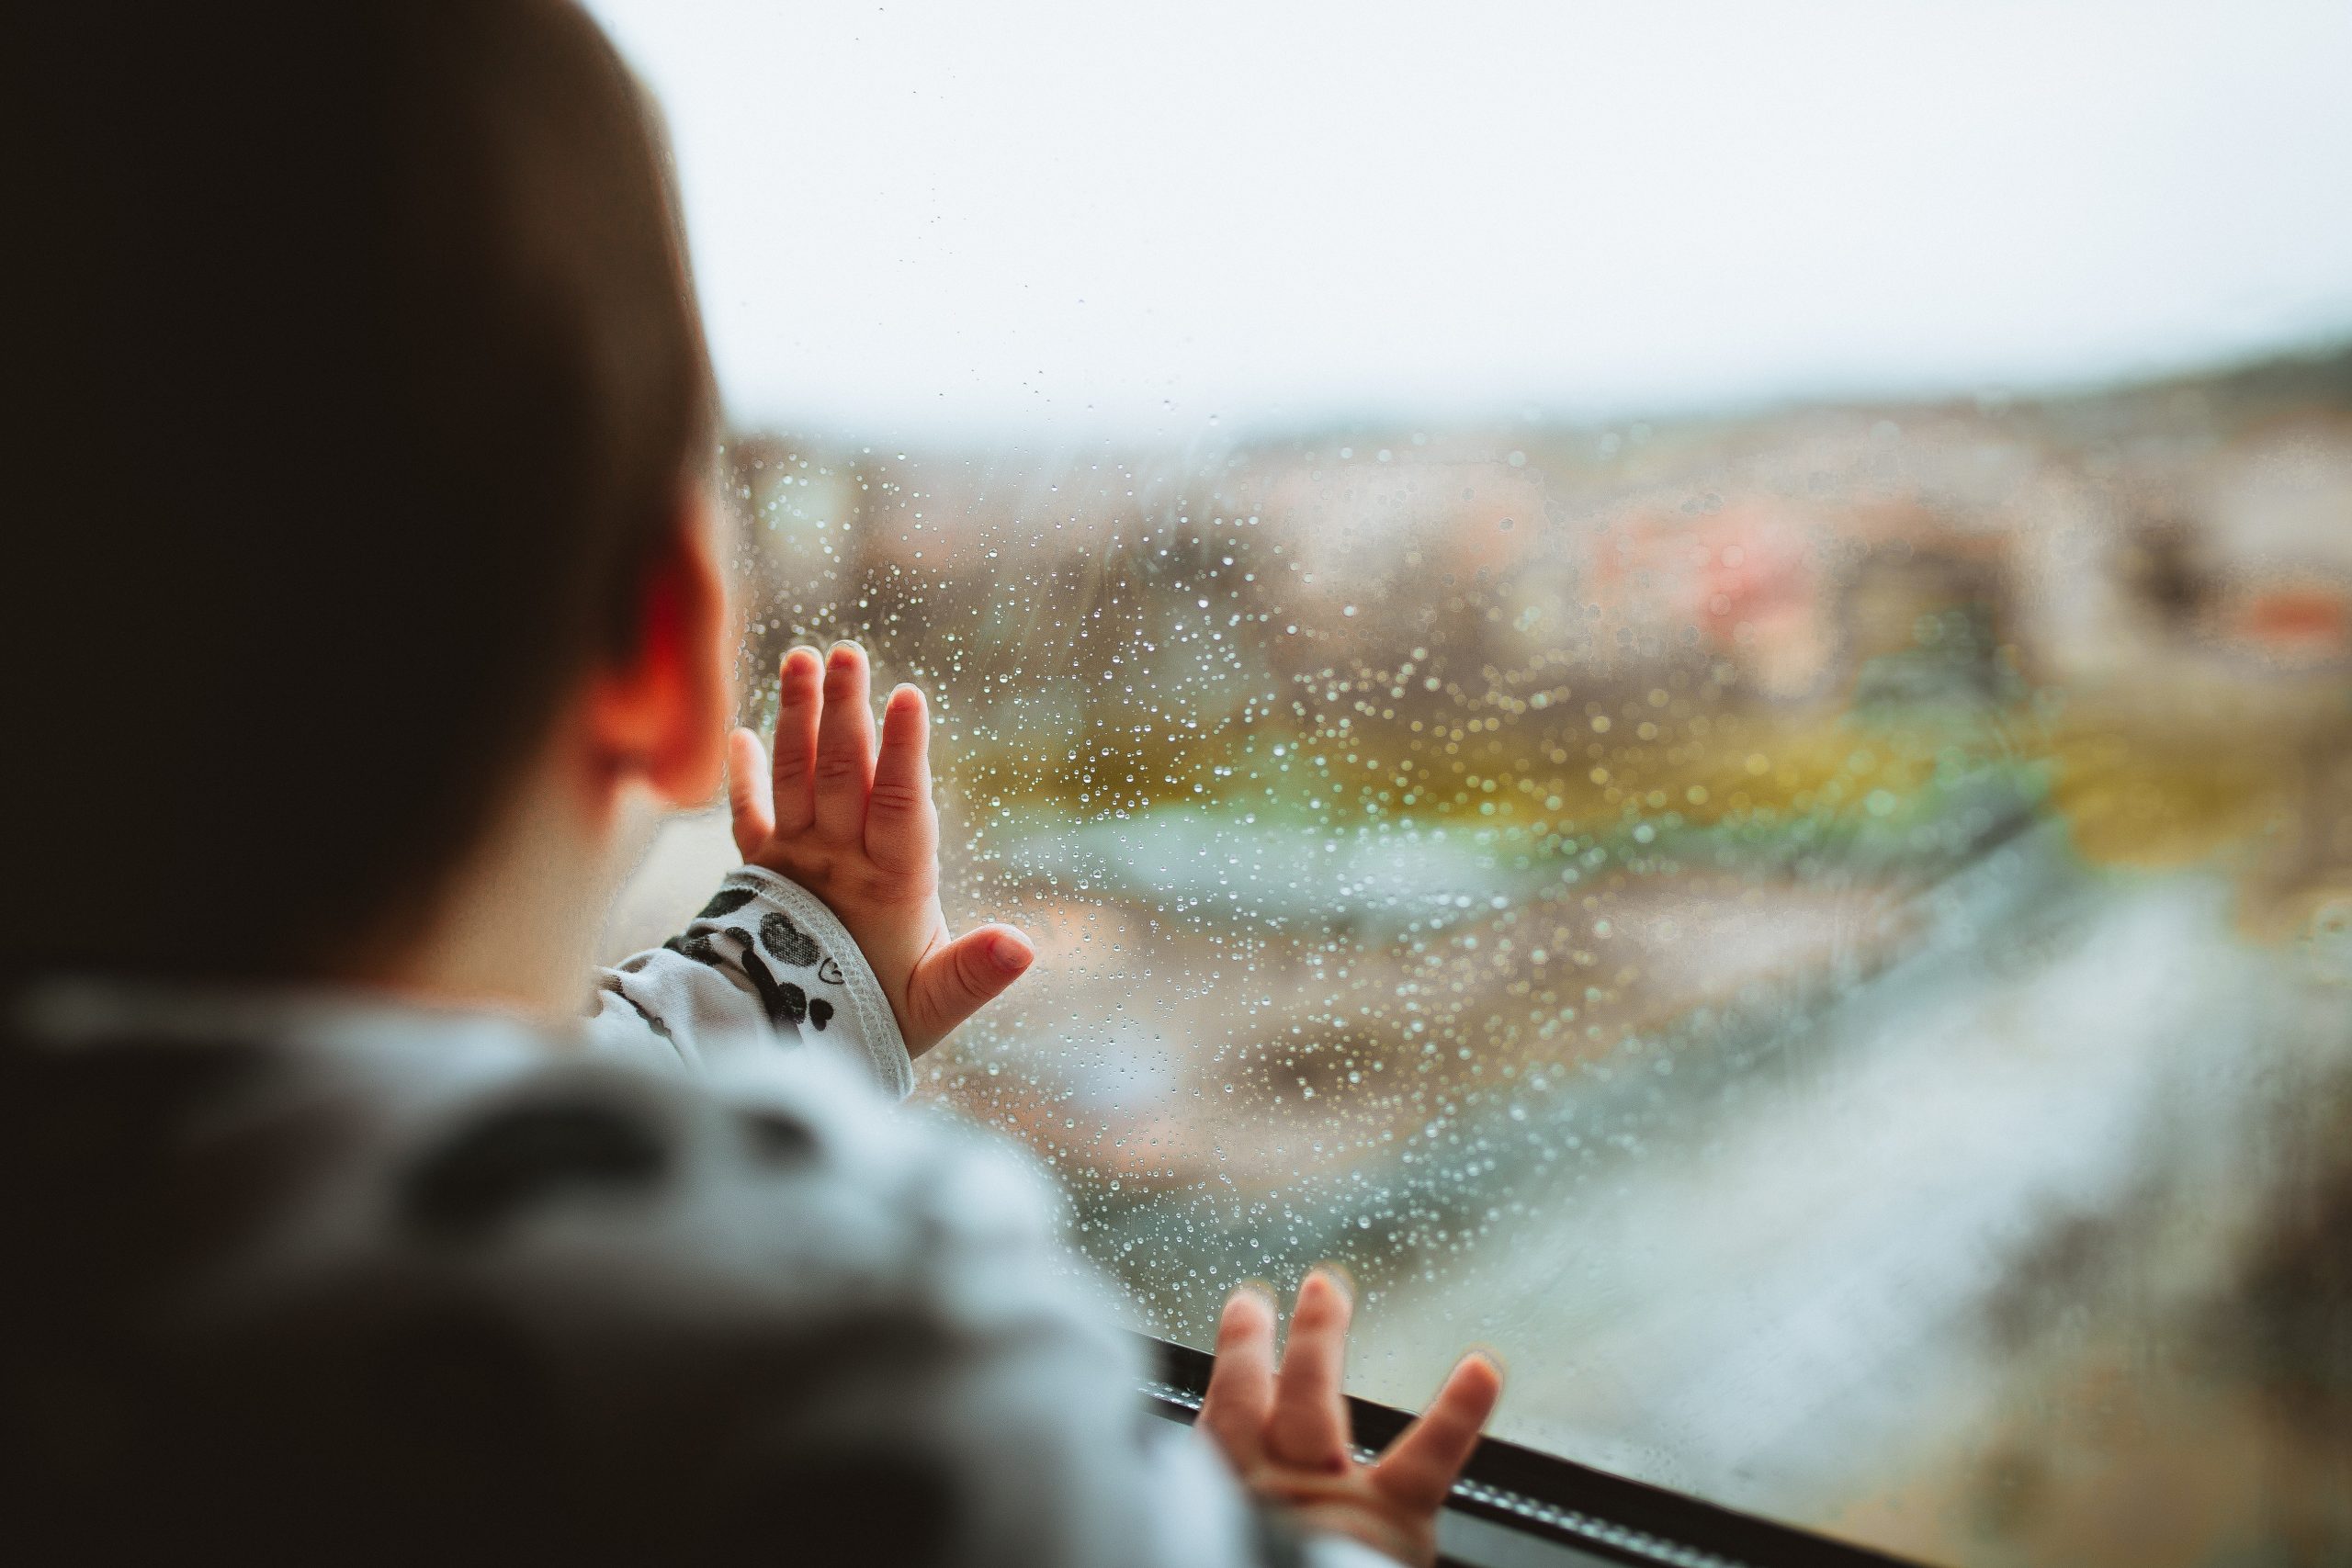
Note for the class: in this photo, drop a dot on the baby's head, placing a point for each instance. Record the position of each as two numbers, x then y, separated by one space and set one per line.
369 418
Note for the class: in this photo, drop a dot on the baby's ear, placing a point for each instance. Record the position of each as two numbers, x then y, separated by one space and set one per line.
660 713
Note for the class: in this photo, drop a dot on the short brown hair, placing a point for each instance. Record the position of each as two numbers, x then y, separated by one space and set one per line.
366 379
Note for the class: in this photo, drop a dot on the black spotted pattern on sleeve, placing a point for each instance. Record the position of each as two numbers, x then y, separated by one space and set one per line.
783 1002
701 948
726 901
786 943
783 940
613 983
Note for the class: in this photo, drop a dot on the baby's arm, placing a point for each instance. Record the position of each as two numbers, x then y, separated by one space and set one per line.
764 960
832 932
858 829
843 850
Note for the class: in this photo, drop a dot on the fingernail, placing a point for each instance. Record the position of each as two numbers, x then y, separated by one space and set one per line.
844 653
1010 954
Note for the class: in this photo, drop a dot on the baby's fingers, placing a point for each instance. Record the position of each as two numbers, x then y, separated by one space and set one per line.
800 699
1308 1427
1241 1382
955 981
844 771
1421 1465
747 793
901 825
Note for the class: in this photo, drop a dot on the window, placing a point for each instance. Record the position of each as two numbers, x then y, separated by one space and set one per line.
1822 934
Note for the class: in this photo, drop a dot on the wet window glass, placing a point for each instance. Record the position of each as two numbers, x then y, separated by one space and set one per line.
1790 875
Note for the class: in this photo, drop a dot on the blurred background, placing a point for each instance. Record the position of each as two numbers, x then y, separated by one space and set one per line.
1680 681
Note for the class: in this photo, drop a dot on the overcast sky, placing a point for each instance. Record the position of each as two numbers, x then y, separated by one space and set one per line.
975 219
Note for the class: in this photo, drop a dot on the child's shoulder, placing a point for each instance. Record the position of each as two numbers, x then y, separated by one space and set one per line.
243 1150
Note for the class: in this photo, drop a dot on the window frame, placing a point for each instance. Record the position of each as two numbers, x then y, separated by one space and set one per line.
1589 1512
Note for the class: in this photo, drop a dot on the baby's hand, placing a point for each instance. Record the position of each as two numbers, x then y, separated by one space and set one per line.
1286 1434
858 829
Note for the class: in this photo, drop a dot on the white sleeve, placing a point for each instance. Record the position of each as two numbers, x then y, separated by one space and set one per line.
763 962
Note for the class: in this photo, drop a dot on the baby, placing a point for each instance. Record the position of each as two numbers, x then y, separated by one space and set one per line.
381 604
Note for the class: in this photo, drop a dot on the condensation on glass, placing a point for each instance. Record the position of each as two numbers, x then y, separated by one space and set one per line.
1824 939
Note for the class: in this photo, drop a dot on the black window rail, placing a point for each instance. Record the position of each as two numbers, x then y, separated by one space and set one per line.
1590 1514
